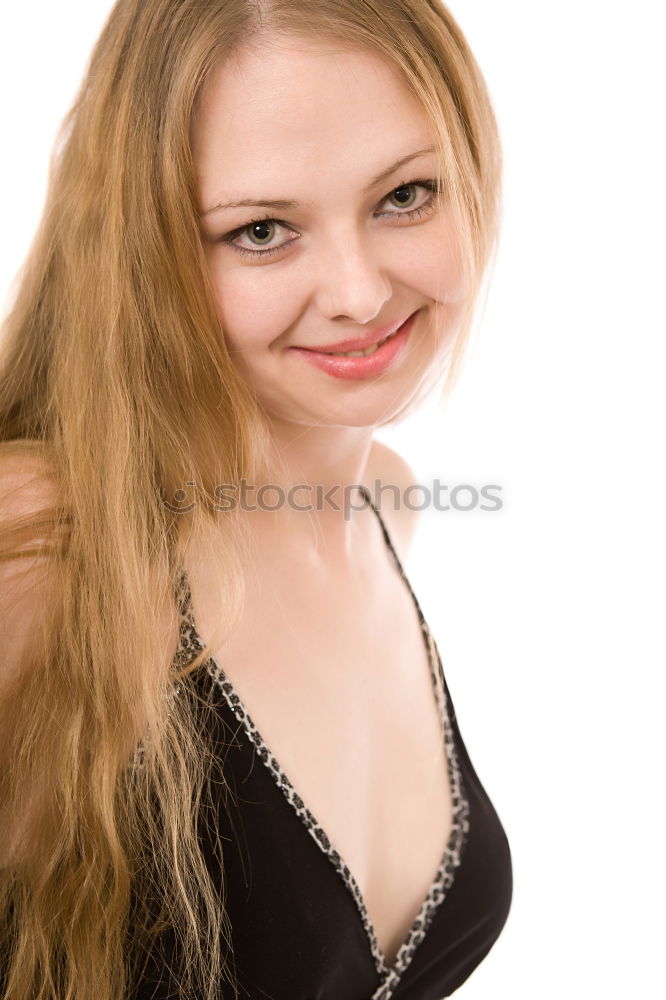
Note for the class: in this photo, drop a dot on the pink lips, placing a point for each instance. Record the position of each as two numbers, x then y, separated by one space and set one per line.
360 343
364 367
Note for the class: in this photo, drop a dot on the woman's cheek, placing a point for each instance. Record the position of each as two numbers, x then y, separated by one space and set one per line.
437 266
254 306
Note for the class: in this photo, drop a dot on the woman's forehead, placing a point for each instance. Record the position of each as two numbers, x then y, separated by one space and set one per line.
289 109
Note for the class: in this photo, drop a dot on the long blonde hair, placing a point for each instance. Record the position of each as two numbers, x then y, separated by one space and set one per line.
116 387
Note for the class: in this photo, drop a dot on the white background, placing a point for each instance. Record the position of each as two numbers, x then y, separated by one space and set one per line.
549 614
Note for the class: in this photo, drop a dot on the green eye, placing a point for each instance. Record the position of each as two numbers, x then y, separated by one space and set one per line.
261 232
404 195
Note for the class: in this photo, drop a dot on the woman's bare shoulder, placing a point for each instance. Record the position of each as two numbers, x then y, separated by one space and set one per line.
391 469
27 488
26 479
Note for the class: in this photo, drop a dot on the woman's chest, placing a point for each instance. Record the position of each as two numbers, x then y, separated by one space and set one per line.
337 682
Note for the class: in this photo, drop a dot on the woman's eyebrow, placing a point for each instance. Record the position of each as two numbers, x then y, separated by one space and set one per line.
285 205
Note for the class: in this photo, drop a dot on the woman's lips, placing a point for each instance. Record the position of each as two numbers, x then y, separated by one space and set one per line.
359 343
364 367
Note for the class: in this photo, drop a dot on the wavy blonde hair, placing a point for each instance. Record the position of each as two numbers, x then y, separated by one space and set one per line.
116 389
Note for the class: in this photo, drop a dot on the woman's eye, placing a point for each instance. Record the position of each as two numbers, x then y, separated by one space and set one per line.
406 197
259 237
261 233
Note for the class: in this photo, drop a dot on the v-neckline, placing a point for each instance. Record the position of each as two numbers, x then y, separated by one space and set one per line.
389 974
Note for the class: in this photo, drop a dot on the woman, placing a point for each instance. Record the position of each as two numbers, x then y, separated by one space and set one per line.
246 200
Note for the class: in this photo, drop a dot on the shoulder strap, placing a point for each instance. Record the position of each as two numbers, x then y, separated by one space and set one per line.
387 538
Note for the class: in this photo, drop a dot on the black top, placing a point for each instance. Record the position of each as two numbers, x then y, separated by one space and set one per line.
300 929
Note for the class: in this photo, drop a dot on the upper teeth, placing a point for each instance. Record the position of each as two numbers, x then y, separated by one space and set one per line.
360 354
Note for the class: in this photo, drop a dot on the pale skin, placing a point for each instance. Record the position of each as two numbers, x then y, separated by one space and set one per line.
328 654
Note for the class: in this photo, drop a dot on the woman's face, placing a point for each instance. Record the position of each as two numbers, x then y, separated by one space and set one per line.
353 243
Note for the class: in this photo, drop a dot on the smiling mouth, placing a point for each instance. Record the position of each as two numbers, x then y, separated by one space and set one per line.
360 354
359 347
361 363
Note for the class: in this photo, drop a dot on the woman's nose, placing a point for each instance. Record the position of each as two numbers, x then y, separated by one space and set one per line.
350 282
